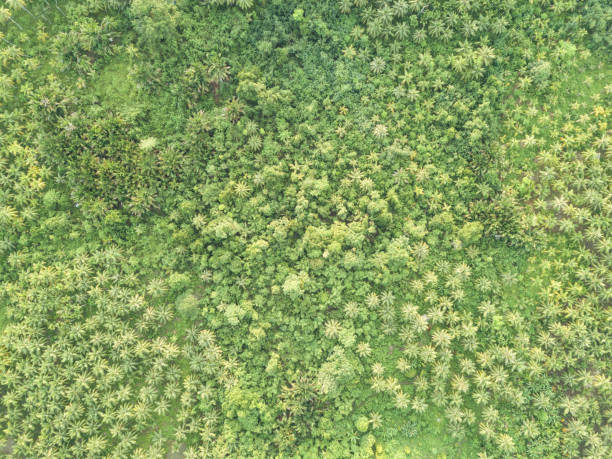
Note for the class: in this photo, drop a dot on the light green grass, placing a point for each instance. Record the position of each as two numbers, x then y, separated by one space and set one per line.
433 440
115 88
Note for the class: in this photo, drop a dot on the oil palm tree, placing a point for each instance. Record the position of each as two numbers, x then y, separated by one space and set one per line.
218 72
244 4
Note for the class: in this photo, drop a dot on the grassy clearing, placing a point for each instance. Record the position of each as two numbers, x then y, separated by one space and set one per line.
115 88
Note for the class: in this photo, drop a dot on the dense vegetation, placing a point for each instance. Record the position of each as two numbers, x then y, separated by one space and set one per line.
279 228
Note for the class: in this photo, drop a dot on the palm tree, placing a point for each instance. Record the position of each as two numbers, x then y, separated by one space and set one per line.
332 328
377 65
436 28
481 397
420 250
351 309
498 26
372 300
486 54
375 420
442 338
363 349
460 384
218 72
486 430
345 6
402 31
419 405
505 443
234 110
420 36
401 400
387 299
244 4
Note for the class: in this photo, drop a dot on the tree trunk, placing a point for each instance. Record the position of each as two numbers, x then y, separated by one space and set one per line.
215 87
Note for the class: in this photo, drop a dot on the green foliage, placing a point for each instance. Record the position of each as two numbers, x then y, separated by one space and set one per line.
155 23
471 232
305 229
362 424
187 306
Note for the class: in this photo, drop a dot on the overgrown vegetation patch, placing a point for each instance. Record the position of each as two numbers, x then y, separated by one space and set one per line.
239 228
